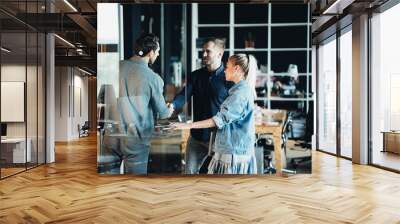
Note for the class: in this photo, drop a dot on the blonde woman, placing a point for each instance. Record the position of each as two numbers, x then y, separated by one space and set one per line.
234 142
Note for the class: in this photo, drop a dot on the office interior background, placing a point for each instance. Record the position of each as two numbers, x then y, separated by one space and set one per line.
49 109
30 55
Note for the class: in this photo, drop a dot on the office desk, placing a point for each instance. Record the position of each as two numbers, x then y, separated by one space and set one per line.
391 141
166 154
13 150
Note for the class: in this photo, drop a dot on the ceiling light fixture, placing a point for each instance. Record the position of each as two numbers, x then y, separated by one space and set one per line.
84 71
64 40
337 7
70 5
5 50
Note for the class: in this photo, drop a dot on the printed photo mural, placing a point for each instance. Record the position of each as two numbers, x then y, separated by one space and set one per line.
204 89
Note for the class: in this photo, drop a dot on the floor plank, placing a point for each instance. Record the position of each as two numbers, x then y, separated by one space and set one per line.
70 191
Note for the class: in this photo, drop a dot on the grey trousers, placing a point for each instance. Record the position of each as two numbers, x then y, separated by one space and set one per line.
131 150
196 151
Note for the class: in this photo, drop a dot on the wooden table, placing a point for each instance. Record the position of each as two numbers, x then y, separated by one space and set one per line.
276 131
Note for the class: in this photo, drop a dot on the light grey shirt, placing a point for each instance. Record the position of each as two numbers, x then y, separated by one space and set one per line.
141 99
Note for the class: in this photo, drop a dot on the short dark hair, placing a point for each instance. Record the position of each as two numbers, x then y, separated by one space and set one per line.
219 42
145 43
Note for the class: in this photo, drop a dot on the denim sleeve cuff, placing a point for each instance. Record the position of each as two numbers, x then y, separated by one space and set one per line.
218 121
164 114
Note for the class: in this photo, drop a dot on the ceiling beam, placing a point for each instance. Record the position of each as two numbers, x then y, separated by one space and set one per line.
86 26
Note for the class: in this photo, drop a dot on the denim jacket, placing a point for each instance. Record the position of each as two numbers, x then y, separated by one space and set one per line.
235 121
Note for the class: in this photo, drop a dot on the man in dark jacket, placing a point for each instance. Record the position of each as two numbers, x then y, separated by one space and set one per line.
209 89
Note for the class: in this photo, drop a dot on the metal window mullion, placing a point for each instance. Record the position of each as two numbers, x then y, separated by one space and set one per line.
308 58
45 93
26 87
290 24
251 25
211 25
162 39
195 33
338 96
369 100
269 58
0 89
69 91
291 49
73 91
184 52
37 91
120 31
231 28
317 97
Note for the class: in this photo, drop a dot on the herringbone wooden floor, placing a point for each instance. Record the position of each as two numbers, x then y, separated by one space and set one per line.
70 191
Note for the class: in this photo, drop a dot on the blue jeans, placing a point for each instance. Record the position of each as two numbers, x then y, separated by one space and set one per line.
131 150
196 151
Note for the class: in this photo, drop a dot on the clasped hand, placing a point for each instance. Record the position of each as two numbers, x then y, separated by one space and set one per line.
181 126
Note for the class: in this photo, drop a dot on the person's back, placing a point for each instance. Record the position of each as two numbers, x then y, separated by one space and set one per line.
137 83
140 101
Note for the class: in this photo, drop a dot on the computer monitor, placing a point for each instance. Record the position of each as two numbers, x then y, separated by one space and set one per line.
3 129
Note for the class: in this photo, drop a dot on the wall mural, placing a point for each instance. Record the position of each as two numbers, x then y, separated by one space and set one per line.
204 89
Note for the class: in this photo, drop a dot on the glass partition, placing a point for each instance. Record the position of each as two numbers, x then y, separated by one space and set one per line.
327 96
385 89
22 90
32 98
15 149
346 94
41 97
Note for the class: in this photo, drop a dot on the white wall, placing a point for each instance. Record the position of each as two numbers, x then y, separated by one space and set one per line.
12 73
70 83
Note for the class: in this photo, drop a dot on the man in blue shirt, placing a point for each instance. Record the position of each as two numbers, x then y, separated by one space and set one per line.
140 102
209 89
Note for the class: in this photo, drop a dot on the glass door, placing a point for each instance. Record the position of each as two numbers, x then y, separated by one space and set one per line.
15 152
385 89
327 127
346 93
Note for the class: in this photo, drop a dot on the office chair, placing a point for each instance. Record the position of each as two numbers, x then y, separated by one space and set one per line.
301 161
84 129
267 143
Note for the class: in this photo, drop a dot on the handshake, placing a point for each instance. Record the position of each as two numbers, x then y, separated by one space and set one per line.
171 109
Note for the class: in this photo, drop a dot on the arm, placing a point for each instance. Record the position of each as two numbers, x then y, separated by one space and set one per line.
181 98
157 99
231 110
209 123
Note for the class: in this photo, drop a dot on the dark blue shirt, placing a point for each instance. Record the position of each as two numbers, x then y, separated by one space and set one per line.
209 90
